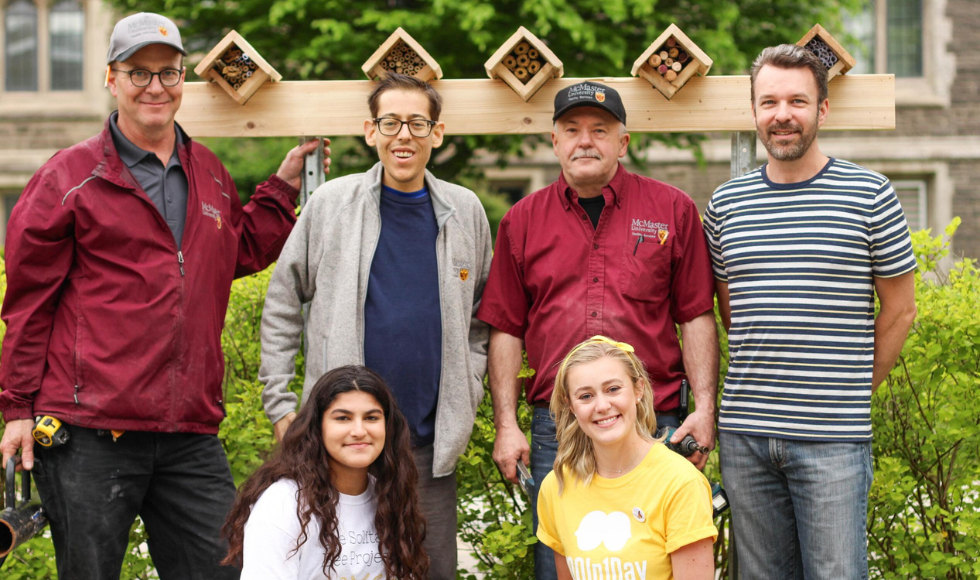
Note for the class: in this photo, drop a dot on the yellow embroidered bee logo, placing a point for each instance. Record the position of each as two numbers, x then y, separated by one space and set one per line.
464 273
162 30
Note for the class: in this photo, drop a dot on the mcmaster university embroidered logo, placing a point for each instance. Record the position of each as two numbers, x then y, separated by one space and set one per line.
212 212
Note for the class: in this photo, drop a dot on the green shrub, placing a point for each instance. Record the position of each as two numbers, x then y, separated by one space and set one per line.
924 513
923 518
494 515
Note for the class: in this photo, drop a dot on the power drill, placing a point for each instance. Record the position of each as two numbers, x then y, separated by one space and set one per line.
688 445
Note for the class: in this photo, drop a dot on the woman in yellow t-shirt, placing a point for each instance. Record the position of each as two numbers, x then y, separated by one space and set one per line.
619 505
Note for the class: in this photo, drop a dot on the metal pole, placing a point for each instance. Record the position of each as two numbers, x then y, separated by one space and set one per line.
313 176
743 152
743 160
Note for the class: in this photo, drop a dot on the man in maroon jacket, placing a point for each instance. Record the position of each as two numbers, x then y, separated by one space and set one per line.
120 257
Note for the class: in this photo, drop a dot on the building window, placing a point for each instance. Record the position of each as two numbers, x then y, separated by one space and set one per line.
43 46
67 25
20 48
861 27
912 196
890 38
904 31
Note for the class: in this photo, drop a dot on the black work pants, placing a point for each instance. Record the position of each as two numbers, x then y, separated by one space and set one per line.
93 488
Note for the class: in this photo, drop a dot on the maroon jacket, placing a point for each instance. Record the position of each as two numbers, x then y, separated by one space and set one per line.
108 325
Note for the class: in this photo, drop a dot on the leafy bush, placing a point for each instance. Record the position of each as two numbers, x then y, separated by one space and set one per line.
494 515
923 517
924 513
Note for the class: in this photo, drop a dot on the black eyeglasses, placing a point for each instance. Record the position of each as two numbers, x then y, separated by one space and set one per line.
390 126
169 77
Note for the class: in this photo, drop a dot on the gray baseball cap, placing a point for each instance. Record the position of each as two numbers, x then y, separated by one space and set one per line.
134 32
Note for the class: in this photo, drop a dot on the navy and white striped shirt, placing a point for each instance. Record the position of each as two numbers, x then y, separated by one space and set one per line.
799 260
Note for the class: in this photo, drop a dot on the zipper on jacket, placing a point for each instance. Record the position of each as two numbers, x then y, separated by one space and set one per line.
176 358
180 261
76 395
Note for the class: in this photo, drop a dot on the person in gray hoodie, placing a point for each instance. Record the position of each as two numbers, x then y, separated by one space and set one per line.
392 263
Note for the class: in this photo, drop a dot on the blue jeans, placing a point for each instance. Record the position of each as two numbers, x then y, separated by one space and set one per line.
799 508
544 448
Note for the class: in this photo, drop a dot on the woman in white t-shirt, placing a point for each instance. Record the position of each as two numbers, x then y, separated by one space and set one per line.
338 498
619 504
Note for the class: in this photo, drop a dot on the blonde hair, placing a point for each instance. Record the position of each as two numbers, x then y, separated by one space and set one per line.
575 451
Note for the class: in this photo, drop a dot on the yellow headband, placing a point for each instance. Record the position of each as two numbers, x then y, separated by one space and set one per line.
599 338
627 348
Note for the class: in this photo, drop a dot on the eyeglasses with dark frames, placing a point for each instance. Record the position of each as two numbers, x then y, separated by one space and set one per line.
169 77
390 126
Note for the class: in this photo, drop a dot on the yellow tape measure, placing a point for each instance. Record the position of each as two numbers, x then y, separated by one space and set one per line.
49 431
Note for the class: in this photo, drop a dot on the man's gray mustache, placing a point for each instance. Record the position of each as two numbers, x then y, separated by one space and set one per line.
588 153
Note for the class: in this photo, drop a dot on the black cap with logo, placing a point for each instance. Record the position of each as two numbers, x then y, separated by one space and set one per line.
589 94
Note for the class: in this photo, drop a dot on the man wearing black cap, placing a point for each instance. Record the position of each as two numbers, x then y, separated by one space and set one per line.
600 251
120 257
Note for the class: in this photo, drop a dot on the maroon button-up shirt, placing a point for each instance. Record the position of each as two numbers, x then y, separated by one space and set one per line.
556 281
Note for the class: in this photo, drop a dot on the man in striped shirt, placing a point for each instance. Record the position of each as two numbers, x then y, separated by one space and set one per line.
800 247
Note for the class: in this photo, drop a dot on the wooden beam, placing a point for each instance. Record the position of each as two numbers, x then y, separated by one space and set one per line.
485 107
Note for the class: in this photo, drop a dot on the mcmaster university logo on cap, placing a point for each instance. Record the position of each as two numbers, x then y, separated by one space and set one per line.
138 28
586 91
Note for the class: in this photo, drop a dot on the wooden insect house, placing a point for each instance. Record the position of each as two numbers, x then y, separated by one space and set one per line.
402 54
237 67
670 61
830 52
524 63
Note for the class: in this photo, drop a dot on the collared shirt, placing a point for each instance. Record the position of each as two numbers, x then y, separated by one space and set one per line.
166 186
556 281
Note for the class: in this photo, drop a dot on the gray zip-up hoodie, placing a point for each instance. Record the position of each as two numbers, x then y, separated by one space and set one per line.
327 261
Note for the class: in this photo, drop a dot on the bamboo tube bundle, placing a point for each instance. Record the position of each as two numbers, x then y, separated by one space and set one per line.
235 66
402 59
669 60
822 52
524 61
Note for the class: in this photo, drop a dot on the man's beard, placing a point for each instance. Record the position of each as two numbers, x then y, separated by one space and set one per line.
790 152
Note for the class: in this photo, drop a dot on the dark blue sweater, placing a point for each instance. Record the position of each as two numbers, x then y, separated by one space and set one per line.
402 315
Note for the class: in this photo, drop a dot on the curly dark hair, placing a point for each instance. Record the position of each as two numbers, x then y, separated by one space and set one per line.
303 458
